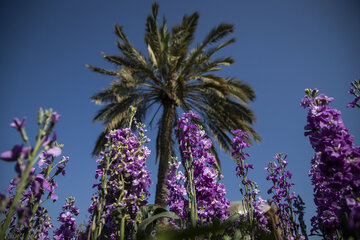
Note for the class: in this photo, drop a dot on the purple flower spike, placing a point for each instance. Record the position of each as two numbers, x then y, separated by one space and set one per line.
13 154
55 117
249 188
17 124
200 168
68 228
125 176
335 169
283 198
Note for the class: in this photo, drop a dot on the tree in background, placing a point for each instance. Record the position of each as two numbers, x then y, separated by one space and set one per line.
175 77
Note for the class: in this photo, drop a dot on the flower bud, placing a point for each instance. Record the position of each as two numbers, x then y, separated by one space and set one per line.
40 116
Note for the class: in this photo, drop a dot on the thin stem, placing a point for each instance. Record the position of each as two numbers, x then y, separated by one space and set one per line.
122 228
21 186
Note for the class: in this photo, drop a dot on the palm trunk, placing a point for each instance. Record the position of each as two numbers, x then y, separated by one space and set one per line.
165 152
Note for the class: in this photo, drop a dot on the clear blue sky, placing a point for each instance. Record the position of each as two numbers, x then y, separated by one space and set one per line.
282 48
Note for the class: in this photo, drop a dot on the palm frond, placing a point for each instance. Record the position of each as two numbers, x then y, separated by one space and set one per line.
105 95
211 51
218 33
101 70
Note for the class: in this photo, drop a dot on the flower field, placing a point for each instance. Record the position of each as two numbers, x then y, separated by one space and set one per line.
197 206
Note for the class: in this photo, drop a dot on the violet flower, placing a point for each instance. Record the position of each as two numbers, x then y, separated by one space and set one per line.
67 230
55 117
13 154
335 168
17 124
123 183
206 196
175 182
24 214
283 198
253 204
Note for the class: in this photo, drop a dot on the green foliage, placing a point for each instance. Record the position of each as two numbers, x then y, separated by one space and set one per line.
176 73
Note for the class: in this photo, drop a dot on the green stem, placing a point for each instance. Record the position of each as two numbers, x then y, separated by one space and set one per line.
192 193
21 188
97 225
122 228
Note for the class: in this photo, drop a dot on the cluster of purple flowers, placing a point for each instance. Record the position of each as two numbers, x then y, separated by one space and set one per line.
254 204
335 169
123 181
283 198
206 196
356 92
175 182
25 216
67 230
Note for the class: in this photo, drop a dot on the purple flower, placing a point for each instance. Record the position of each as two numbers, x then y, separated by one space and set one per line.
54 197
353 103
283 198
123 176
17 124
254 204
13 154
29 219
200 176
67 229
55 151
175 183
61 166
55 117
334 169
45 157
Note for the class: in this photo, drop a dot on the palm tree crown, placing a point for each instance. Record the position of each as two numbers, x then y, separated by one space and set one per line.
176 78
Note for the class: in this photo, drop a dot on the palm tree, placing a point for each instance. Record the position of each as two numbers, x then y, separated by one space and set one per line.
175 78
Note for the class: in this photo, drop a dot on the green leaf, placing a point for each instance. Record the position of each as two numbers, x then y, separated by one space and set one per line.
144 229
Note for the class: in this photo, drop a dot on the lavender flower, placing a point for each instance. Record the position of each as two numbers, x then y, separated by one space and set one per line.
14 153
55 117
206 196
17 124
175 182
254 204
66 231
335 168
24 214
123 183
283 198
